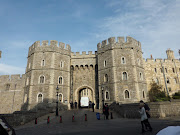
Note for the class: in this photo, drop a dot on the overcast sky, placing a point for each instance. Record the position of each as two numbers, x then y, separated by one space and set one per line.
84 23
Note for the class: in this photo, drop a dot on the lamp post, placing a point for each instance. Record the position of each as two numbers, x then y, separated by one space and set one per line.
57 112
103 97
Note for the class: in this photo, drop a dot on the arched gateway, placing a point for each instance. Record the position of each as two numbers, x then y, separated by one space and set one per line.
84 92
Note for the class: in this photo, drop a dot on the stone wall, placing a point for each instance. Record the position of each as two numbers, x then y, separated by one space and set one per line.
157 109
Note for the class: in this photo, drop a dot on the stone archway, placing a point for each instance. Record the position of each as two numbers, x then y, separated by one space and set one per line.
85 91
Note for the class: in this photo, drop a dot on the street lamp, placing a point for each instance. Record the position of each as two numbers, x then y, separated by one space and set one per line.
57 113
103 97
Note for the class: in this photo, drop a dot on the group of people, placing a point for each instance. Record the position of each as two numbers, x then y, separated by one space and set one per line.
73 105
144 112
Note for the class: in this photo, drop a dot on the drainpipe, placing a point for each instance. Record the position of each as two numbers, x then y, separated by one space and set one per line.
164 79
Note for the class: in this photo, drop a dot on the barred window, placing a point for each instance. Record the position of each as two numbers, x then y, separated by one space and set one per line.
42 79
40 98
124 76
126 94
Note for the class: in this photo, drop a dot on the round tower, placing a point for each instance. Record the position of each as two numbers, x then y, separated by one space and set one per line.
170 54
48 67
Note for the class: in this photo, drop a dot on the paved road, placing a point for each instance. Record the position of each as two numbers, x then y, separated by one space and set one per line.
116 126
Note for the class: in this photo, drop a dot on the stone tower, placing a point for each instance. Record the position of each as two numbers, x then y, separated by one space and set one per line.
121 71
170 54
48 66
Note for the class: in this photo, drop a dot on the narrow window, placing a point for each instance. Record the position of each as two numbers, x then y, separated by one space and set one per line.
42 79
124 76
143 94
61 64
168 81
60 80
43 63
155 70
166 70
106 78
161 70
173 70
123 60
40 98
126 94
141 76
105 63
107 95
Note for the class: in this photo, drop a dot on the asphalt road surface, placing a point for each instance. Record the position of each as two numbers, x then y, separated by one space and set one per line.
116 126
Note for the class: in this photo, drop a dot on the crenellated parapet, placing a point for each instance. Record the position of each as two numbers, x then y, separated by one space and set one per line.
84 54
120 42
11 78
54 46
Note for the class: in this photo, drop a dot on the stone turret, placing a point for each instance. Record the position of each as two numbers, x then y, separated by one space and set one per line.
170 54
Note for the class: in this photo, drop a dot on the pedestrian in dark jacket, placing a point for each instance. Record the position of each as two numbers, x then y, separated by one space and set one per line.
93 106
106 111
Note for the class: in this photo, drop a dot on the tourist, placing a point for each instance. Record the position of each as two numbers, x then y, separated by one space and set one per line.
75 103
106 111
93 106
144 119
71 104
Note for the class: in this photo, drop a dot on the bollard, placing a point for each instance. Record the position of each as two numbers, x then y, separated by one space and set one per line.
48 120
60 119
73 118
111 115
35 120
85 117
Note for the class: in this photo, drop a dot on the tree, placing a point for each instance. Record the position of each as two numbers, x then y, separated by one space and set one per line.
155 93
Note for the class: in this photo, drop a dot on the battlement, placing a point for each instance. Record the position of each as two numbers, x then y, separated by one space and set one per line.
120 41
53 43
11 78
84 53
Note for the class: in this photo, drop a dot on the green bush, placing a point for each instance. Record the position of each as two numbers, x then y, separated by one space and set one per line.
155 93
176 95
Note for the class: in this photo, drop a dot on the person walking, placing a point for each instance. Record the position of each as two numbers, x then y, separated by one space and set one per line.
144 119
93 106
75 103
106 111
71 104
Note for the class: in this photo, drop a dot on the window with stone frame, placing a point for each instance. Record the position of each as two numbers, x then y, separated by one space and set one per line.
126 93
124 76
107 95
61 64
42 79
168 81
43 63
105 78
60 97
105 63
143 94
173 70
140 76
60 80
166 70
155 70
161 70
40 98
123 60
